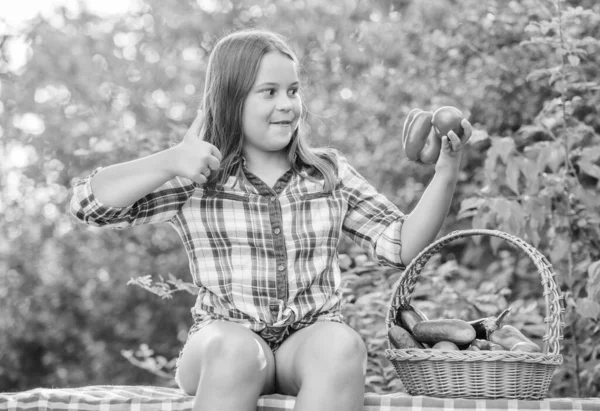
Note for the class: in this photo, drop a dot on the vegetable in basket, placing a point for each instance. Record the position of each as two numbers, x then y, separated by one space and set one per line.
481 345
508 337
408 316
433 331
445 346
401 338
485 326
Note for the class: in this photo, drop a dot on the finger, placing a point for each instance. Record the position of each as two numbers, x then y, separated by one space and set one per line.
200 179
467 127
213 162
454 140
215 152
196 127
446 143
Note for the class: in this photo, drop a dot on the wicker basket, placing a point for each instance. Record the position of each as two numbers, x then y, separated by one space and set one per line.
478 374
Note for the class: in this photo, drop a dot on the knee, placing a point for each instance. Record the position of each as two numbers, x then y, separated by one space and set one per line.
344 347
227 355
238 351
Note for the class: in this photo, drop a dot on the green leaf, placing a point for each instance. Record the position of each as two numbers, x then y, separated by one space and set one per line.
469 206
478 135
530 173
504 146
560 249
538 74
512 175
495 243
532 27
516 221
552 155
483 220
590 169
589 197
593 284
591 154
587 308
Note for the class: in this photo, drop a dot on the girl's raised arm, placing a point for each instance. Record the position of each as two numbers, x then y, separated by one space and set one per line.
121 185
425 221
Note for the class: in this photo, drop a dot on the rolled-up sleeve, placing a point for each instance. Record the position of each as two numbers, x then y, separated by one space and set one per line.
372 221
159 206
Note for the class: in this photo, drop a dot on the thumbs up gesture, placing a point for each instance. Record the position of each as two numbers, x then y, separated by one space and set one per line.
193 157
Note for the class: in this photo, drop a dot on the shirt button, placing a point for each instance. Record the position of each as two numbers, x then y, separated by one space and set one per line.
273 198
281 267
277 231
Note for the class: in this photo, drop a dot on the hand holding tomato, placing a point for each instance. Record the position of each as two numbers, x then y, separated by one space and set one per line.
429 136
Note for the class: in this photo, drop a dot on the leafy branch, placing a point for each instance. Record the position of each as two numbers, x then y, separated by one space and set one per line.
164 289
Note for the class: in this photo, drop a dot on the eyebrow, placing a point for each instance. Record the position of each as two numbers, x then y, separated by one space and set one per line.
270 83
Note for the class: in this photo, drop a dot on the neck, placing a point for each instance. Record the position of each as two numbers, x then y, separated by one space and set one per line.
259 163
268 167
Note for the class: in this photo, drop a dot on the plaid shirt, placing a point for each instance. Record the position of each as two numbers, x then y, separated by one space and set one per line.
265 257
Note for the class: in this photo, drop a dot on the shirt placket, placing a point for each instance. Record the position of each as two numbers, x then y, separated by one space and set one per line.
275 218
277 305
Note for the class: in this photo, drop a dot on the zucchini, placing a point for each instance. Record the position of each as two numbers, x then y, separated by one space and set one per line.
433 331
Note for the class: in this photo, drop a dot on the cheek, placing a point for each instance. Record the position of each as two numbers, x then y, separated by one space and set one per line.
298 107
251 114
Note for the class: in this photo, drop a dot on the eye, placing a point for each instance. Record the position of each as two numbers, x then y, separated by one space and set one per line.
268 92
293 91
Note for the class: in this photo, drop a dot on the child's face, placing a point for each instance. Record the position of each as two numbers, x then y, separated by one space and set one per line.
273 106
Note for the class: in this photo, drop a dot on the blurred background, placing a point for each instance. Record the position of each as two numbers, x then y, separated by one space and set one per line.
86 84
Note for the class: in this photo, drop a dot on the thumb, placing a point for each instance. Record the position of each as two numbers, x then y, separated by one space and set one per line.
196 128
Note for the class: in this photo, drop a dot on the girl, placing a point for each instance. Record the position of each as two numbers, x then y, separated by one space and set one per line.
260 215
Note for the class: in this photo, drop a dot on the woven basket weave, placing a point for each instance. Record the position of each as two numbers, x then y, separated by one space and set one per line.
478 374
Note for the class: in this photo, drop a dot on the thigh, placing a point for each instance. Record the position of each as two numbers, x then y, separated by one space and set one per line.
317 350
224 339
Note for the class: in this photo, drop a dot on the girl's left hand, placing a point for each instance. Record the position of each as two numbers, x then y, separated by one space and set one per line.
452 148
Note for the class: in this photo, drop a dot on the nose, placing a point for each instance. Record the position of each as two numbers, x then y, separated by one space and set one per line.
284 103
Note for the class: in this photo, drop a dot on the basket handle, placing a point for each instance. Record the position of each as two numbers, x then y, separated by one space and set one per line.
405 286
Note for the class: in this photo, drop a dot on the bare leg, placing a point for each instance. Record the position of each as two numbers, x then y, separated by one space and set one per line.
324 365
227 367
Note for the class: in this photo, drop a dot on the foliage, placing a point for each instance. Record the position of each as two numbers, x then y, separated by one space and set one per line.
525 72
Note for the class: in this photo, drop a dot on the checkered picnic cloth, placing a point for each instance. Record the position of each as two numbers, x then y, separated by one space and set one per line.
146 398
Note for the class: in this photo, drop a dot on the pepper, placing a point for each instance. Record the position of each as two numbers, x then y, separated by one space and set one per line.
415 137
508 337
485 326
524 346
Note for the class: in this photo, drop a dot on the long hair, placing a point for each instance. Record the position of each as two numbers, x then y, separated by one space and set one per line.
232 69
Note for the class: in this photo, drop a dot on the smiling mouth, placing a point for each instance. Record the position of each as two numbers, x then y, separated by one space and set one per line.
282 123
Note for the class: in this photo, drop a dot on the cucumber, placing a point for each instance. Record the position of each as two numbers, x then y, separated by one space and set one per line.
408 316
400 338
433 331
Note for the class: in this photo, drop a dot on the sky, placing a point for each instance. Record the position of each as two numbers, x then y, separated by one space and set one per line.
15 13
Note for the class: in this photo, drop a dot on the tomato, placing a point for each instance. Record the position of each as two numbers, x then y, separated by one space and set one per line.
447 118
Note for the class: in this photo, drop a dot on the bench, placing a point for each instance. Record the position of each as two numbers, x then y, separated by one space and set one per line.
150 398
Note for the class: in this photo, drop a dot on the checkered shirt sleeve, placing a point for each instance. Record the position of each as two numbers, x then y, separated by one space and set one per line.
372 221
159 206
